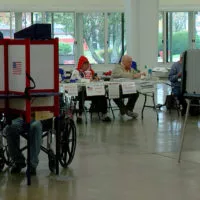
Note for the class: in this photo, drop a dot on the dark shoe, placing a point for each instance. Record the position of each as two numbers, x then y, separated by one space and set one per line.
92 109
16 168
131 114
122 110
79 120
106 119
183 111
158 106
32 171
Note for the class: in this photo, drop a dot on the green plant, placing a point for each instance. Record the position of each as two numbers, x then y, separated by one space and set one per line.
64 49
179 42
101 53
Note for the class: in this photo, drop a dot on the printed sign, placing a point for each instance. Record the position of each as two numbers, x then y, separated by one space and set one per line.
128 87
95 89
113 91
71 89
88 74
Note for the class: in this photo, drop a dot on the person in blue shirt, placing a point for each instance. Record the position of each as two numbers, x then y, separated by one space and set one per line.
174 77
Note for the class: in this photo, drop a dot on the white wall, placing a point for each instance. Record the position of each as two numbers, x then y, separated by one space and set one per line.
62 5
89 5
142 31
179 5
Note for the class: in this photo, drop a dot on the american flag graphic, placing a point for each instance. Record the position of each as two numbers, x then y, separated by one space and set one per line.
17 68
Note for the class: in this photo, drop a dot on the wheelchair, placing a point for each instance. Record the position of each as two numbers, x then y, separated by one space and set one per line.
66 140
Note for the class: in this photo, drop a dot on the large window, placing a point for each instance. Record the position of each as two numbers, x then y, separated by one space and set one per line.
178 31
99 35
63 28
6 26
197 30
160 38
177 35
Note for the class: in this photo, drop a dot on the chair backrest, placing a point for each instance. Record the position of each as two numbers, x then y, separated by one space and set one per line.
134 65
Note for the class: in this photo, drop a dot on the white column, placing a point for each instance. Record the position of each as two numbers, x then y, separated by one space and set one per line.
142 31
18 21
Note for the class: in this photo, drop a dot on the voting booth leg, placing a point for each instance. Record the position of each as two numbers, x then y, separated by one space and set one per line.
28 156
183 129
57 144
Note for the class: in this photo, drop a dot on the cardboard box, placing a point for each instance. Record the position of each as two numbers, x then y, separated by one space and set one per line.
42 115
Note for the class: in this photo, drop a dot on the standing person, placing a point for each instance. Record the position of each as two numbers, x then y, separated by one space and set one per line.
124 70
174 77
99 103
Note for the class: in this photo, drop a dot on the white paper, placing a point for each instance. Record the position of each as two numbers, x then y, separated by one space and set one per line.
147 87
128 87
113 91
71 88
97 89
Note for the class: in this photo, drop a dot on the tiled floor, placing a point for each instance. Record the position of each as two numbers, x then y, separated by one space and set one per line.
125 159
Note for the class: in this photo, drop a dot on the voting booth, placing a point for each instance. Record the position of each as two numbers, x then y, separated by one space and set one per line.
190 84
38 60
3 73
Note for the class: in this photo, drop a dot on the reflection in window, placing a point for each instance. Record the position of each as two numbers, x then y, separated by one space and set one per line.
93 33
26 19
37 17
114 37
160 38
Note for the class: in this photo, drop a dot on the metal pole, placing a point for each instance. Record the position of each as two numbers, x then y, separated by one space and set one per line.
183 129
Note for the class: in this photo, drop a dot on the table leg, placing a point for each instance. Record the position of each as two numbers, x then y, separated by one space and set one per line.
28 156
145 99
153 97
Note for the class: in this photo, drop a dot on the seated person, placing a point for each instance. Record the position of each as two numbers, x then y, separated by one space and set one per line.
99 103
13 131
124 70
174 77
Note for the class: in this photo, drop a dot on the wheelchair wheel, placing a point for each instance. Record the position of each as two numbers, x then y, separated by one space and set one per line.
52 160
2 160
67 142
5 158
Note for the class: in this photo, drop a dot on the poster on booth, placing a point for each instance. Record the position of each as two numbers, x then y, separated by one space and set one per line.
2 78
16 68
42 66
128 87
95 89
